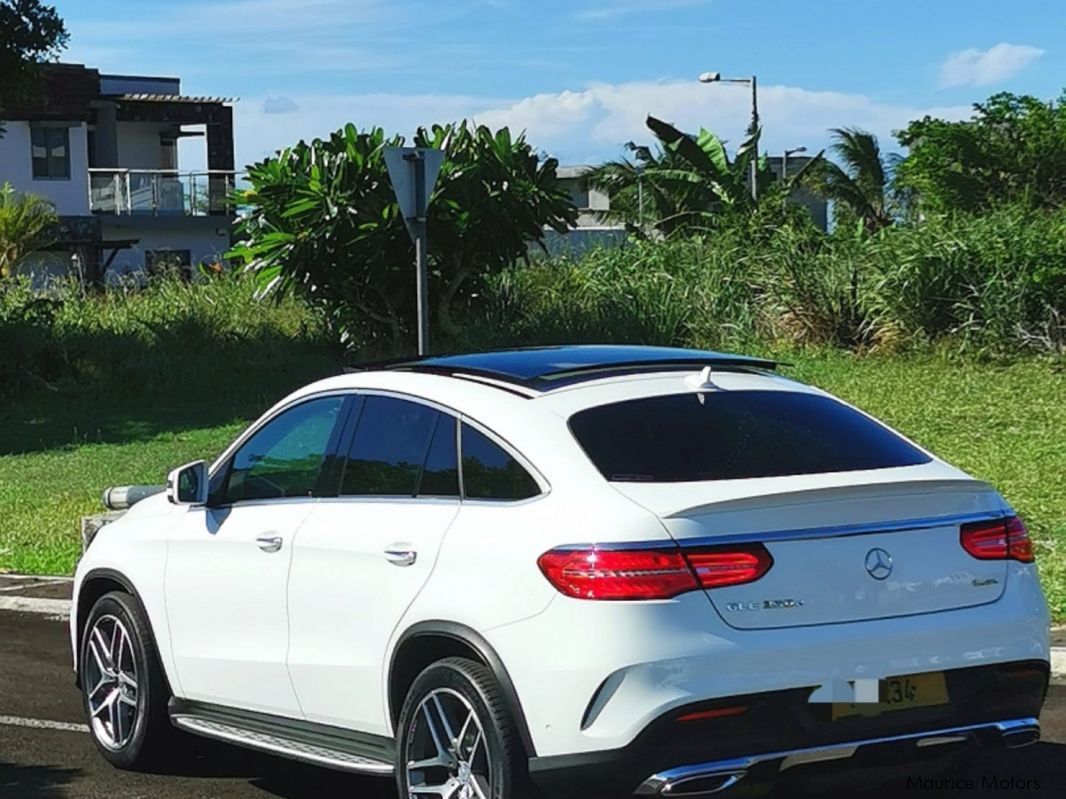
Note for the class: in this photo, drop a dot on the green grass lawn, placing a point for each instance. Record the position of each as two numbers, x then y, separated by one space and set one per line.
1004 424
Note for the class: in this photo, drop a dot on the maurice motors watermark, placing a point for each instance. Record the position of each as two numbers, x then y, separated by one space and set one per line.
987 782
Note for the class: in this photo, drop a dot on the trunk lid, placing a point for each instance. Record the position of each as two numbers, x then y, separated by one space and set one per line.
846 547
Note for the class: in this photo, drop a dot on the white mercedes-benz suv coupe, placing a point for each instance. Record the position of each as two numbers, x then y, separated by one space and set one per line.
584 571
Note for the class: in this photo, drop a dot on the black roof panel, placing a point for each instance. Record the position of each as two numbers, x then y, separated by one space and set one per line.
544 368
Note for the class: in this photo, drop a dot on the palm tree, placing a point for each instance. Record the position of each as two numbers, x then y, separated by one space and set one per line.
863 183
26 222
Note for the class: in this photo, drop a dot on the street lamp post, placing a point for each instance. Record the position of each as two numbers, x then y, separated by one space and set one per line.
784 161
716 77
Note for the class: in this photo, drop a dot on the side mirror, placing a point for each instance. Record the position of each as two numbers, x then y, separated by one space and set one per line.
187 485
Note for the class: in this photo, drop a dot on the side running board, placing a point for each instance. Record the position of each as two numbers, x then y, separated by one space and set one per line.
319 744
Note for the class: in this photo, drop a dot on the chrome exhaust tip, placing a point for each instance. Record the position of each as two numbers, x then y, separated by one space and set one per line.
702 784
1022 736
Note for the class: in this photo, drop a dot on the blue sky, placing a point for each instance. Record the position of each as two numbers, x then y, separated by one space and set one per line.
579 76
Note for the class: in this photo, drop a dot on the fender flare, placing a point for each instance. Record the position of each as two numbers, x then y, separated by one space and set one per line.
127 584
477 642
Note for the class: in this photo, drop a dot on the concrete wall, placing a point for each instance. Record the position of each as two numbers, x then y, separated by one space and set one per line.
199 235
138 145
71 196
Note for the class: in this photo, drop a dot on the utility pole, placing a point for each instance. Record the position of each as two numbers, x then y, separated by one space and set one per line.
755 144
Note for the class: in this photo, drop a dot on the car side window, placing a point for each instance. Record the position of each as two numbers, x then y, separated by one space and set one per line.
401 449
490 472
283 458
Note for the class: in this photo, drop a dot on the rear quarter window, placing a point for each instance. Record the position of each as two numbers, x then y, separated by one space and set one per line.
730 435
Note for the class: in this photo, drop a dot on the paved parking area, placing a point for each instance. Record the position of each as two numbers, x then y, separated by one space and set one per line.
59 762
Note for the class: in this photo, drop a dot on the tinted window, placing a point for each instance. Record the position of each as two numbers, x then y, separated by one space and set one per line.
489 472
283 458
734 434
392 441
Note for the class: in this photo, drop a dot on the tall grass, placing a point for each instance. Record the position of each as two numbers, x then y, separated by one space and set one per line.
989 284
168 336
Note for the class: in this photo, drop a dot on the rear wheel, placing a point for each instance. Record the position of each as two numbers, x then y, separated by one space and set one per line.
123 686
456 738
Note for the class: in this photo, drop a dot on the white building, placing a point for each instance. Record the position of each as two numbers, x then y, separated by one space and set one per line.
104 150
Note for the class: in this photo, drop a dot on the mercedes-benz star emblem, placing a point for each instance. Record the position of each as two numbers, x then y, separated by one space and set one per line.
878 564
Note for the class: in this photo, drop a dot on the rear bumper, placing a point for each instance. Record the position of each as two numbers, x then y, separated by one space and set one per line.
716 776
780 731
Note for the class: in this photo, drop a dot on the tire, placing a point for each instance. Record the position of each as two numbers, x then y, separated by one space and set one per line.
473 704
125 702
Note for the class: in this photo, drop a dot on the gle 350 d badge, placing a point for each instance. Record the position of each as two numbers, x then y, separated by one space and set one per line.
764 604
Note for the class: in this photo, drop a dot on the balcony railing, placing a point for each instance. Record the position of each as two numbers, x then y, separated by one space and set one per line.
161 192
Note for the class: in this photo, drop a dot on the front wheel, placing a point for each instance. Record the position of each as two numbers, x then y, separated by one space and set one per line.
456 738
123 686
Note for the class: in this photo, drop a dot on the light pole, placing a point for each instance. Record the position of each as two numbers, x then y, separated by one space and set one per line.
640 195
784 161
716 77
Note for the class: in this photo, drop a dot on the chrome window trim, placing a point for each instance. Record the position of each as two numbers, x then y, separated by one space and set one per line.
461 418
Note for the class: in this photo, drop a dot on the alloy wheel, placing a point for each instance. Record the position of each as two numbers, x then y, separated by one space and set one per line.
447 755
111 682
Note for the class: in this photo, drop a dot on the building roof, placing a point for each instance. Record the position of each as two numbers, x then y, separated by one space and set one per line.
170 98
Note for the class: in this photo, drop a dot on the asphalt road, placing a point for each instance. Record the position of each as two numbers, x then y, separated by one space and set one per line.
36 683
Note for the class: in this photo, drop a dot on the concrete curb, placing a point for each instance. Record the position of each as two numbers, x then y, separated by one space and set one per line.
26 604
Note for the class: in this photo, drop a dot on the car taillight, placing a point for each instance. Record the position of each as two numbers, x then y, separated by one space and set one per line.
716 568
997 539
635 574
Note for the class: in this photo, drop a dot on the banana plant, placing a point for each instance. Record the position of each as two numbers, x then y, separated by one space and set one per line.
690 181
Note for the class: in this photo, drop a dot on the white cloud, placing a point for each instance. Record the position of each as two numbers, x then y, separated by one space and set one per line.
975 67
588 124
619 8
279 105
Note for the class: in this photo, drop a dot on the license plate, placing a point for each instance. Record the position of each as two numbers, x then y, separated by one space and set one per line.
900 693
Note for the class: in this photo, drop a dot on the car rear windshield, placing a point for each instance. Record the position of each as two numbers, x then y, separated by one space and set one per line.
729 435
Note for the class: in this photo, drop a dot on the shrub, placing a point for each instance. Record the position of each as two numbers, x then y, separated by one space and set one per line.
168 336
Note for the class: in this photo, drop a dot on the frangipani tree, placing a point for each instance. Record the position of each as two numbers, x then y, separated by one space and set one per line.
325 223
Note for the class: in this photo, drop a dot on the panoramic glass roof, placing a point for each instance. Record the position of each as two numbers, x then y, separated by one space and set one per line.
548 367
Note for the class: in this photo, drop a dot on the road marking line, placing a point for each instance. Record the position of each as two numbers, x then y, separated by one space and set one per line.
8 588
42 724
25 604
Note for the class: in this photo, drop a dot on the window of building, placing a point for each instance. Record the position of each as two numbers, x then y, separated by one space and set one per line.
490 472
50 149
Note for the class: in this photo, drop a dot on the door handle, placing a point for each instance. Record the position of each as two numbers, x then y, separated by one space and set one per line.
401 557
269 542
